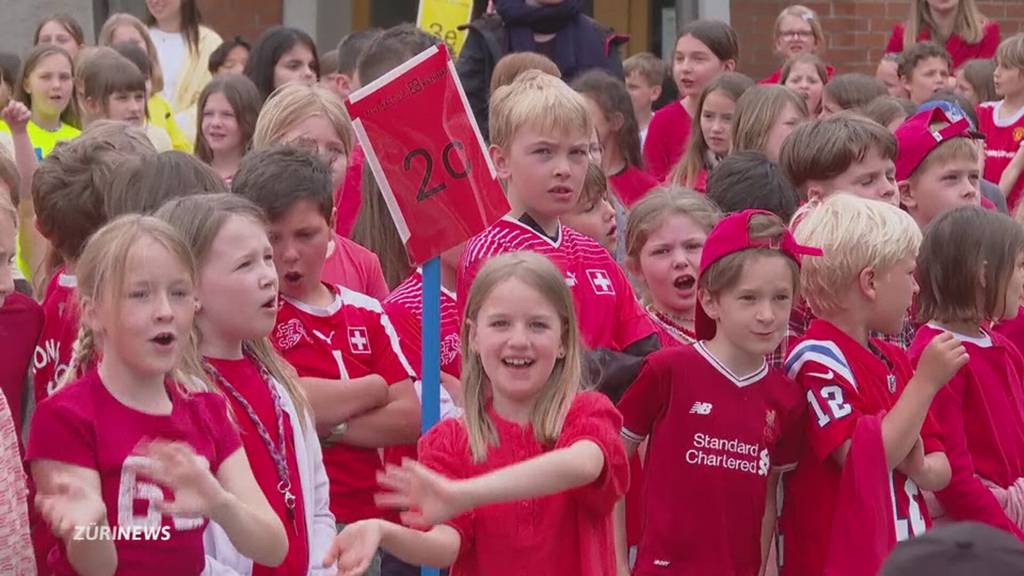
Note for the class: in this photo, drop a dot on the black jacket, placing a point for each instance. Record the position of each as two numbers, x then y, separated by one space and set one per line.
487 41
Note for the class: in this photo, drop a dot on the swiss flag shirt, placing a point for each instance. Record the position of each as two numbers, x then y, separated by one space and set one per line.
350 338
84 425
607 310
714 438
60 328
842 381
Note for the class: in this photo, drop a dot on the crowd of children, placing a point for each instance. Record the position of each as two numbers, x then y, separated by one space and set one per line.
769 328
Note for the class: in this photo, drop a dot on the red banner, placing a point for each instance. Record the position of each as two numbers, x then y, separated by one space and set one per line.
427 155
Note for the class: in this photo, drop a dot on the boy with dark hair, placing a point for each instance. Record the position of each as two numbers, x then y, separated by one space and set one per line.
748 179
924 69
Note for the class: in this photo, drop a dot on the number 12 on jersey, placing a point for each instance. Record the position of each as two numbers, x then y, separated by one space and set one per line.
837 407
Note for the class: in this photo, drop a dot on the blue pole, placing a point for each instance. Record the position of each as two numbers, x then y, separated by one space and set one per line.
431 369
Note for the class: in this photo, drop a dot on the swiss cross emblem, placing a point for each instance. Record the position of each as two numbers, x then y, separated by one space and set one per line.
358 341
601 282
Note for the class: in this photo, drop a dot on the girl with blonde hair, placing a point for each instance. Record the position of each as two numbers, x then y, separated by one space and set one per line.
765 115
797 31
957 25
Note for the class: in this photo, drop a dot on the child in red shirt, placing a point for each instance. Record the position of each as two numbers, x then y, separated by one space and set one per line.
664 240
1002 122
718 418
863 283
612 110
704 49
971 268
970 34
237 290
710 138
525 482
133 457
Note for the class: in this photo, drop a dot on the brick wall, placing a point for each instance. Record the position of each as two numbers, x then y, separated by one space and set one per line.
246 17
856 31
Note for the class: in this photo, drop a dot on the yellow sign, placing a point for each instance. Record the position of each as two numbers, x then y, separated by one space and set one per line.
442 18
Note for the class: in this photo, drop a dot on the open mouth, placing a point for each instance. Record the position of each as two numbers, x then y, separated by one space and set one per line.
293 277
561 191
270 304
517 362
612 230
164 339
684 282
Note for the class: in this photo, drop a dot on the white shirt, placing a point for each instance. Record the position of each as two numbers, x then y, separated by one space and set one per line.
171 51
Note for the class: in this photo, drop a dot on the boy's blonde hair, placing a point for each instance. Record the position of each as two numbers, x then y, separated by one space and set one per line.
824 149
539 100
291 104
102 271
854 233
1011 52
647 66
949 151
106 38
199 219
566 377
512 65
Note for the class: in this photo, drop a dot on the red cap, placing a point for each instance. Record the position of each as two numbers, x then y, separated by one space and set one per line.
915 138
731 235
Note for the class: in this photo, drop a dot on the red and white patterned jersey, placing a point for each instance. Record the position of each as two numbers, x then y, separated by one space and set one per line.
60 328
1002 141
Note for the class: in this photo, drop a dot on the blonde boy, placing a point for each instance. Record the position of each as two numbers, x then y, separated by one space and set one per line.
540 134
866 408
937 166
645 74
844 152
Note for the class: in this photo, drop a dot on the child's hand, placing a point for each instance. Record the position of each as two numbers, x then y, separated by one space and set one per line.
354 548
940 360
426 497
16 115
177 466
454 387
70 505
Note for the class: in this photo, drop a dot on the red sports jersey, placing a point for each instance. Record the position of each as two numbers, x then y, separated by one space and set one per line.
607 309
569 533
1002 141
21 320
670 333
843 380
351 338
713 439
631 185
959 50
60 328
404 307
350 265
245 377
667 136
981 412
84 425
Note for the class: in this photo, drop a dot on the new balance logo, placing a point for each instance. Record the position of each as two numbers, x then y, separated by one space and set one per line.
702 408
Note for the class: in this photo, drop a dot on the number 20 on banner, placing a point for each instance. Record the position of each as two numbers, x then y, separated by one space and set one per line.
442 18
427 155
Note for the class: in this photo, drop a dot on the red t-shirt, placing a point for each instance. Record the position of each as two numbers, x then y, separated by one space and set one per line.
84 425
843 380
21 321
349 198
981 412
607 309
713 439
959 50
1002 141
60 328
631 185
351 338
350 265
566 533
667 136
245 377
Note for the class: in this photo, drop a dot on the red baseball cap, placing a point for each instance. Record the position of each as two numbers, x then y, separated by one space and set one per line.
731 235
915 138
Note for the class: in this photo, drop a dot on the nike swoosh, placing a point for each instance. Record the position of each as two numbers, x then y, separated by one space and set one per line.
823 375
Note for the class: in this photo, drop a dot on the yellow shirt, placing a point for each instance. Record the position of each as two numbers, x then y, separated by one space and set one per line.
160 115
43 141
